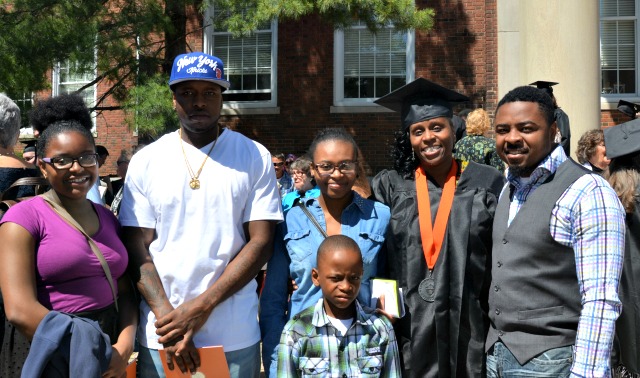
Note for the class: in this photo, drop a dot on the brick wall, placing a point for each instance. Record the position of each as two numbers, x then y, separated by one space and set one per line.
460 53
613 117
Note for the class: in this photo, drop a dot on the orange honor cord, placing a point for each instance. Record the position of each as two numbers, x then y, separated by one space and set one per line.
432 238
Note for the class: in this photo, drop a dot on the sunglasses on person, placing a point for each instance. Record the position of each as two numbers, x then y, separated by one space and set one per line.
280 164
85 161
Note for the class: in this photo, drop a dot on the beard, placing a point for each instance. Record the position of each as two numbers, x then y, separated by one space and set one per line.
521 171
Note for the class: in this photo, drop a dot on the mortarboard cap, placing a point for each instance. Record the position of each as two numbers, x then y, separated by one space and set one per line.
30 145
546 85
541 84
622 139
628 108
421 100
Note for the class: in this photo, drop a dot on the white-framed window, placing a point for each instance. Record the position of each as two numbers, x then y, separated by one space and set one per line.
24 100
368 65
69 78
618 48
250 63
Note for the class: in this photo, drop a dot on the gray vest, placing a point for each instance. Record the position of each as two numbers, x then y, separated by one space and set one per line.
534 299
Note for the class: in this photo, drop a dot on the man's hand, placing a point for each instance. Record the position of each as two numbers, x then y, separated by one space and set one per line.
188 359
183 322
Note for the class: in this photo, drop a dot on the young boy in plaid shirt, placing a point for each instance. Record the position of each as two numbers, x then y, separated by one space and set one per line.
337 337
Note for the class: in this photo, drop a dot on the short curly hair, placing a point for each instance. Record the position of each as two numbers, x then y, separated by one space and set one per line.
587 145
65 107
478 122
530 94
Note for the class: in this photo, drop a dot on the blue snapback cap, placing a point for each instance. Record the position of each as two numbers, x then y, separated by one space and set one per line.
198 66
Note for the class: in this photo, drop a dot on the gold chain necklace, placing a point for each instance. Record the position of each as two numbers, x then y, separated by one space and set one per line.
194 183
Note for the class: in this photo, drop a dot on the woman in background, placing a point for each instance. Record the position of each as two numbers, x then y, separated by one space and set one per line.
475 146
12 167
303 182
591 151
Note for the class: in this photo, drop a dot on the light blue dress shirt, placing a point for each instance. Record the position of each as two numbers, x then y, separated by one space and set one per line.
294 255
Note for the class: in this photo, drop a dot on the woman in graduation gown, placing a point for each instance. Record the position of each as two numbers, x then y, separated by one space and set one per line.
439 240
623 148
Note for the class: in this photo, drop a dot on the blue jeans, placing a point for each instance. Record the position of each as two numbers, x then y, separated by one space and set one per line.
242 363
554 363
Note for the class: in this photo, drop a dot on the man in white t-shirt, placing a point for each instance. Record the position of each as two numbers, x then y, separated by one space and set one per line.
199 210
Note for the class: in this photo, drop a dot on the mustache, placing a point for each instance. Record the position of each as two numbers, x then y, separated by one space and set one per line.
516 149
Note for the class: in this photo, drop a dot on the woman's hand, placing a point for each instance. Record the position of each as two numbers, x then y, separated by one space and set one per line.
380 310
119 361
292 286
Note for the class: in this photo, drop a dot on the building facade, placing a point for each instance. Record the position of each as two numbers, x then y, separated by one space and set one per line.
293 78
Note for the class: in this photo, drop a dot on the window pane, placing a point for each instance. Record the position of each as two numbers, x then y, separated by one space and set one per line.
382 86
24 100
617 8
247 63
609 78
627 81
371 61
618 53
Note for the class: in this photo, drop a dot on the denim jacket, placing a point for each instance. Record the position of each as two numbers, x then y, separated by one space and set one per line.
295 248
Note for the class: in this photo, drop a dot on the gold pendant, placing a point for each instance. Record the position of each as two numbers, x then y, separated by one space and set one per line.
194 183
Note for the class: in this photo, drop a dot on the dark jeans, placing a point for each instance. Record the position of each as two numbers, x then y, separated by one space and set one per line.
554 363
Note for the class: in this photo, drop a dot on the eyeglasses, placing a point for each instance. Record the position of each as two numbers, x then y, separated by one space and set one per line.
298 173
278 164
85 161
328 168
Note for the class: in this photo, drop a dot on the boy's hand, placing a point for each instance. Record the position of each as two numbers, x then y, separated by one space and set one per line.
380 310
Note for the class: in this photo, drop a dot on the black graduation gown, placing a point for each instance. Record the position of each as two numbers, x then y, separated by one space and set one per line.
444 338
628 324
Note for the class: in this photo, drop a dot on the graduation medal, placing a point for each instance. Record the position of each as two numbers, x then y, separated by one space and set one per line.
432 237
427 288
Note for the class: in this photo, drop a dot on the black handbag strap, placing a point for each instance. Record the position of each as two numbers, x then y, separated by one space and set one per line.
27 181
313 220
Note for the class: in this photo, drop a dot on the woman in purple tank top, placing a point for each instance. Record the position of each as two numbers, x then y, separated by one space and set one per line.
47 265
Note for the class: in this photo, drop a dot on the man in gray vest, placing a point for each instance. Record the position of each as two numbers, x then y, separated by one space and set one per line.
558 242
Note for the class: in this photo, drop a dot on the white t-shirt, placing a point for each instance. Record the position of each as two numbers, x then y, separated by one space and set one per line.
200 231
341 325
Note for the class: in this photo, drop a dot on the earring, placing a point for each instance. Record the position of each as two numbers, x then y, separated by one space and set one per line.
413 157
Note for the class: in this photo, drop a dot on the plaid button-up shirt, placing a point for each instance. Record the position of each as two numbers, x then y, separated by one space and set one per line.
311 346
